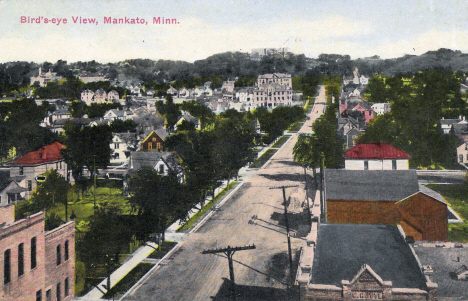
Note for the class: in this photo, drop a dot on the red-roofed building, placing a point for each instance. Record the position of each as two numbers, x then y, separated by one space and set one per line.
376 156
29 166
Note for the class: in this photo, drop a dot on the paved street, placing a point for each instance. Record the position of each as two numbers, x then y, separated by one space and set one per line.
253 215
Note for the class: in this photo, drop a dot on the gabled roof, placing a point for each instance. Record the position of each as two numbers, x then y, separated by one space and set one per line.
448 121
151 158
48 153
343 249
375 151
118 113
375 185
161 133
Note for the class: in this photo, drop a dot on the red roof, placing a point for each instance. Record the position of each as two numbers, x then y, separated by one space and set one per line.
375 151
46 154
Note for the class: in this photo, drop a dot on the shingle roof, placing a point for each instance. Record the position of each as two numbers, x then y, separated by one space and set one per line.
342 250
150 158
48 153
375 151
377 185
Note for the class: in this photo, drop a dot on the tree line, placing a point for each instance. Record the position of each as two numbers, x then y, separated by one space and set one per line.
418 102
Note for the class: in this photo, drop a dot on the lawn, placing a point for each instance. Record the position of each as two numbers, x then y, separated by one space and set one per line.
165 247
263 158
189 224
83 207
457 197
129 280
296 126
281 141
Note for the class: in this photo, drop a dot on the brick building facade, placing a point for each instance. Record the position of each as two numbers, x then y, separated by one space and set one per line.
35 264
391 197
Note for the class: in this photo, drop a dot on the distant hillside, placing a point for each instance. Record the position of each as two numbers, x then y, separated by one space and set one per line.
442 58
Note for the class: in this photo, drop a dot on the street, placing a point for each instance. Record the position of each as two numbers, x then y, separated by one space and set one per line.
253 215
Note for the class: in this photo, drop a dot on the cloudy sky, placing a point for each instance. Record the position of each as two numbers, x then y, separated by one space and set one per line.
359 28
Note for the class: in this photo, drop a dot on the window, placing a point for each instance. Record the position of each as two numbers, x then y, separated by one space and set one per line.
29 185
59 255
58 294
150 145
394 165
366 165
65 288
21 170
48 295
33 253
7 267
20 259
39 295
161 169
158 145
116 146
65 255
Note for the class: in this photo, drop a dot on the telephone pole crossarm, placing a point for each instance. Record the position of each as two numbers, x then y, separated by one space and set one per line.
228 249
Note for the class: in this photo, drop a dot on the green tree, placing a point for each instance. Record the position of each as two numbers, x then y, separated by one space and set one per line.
158 201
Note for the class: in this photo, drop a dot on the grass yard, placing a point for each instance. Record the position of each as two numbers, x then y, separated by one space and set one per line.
281 141
296 126
129 280
83 207
457 197
263 158
189 224
165 247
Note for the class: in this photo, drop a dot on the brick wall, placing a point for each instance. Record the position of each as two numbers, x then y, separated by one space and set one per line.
23 287
420 215
56 274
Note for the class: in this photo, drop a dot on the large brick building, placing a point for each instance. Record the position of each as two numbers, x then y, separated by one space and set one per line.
385 197
35 264
33 164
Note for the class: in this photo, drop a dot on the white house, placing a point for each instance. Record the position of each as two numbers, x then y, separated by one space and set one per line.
100 96
376 156
381 108
113 95
172 91
364 80
163 162
87 96
121 146
184 92
114 114
462 153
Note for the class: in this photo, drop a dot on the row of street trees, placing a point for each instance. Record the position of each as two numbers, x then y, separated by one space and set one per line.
323 148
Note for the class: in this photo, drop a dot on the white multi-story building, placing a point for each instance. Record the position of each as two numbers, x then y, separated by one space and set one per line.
87 96
381 108
275 78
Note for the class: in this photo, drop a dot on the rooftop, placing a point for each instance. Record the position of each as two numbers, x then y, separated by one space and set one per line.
375 151
444 262
48 153
378 185
342 249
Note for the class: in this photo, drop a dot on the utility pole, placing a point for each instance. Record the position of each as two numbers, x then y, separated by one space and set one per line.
229 252
307 194
94 176
286 221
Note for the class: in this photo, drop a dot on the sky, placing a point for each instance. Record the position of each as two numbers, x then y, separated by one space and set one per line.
360 28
